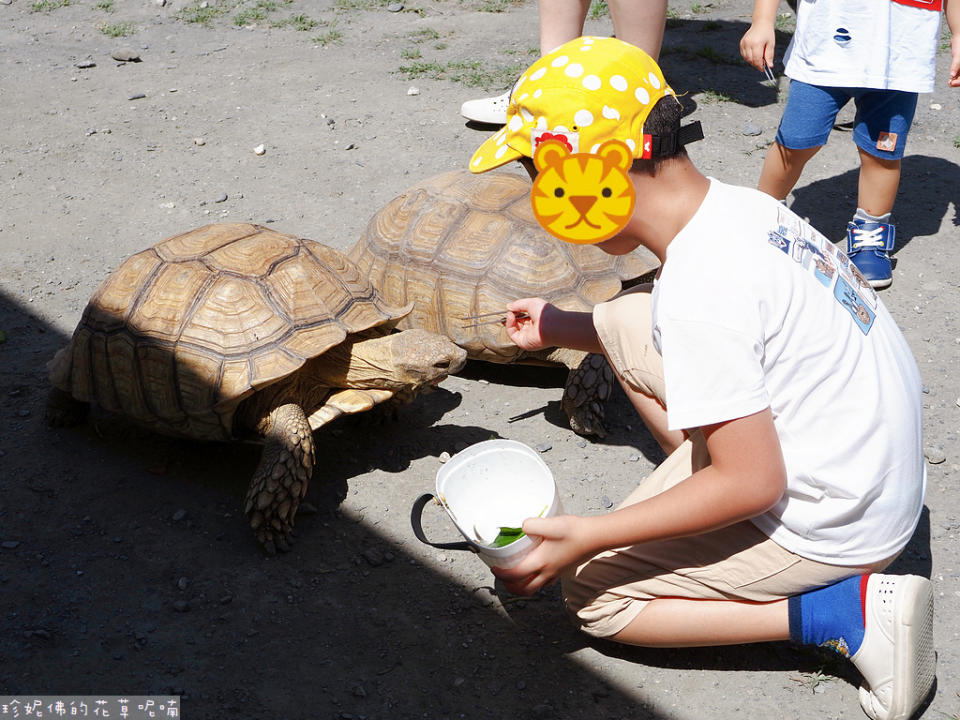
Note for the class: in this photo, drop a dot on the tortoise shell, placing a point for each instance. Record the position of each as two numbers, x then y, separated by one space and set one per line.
459 244
182 332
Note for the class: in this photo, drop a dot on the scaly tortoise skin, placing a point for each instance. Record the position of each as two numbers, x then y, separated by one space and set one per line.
460 244
235 331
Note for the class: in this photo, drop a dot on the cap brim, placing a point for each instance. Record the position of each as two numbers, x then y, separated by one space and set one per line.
493 153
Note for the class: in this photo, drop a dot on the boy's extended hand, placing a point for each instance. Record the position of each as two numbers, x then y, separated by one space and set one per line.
526 332
565 543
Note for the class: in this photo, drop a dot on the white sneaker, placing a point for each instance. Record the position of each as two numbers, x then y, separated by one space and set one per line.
897 658
492 110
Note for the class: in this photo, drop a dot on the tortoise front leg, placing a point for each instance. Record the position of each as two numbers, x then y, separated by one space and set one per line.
281 478
588 387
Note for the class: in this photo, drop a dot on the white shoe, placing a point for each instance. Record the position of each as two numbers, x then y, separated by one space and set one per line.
896 658
492 110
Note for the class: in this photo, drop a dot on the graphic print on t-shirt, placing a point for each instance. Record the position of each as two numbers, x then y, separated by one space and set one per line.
828 265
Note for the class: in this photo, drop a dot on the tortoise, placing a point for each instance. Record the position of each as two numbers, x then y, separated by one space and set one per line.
235 331
459 245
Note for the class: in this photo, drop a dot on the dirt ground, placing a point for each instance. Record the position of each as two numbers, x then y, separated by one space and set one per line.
126 566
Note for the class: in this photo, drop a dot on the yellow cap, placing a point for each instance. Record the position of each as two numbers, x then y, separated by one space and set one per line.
587 91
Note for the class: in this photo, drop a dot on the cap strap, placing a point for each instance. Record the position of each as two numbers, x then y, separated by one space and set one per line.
666 145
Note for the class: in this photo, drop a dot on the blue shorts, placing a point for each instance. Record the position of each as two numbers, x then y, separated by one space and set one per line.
880 127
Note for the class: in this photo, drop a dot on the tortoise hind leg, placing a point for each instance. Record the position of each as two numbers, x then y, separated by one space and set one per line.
63 410
588 387
280 480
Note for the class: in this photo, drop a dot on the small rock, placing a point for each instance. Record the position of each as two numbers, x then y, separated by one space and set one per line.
606 501
936 106
634 457
444 456
222 197
359 691
934 454
199 142
751 129
395 7
351 146
159 3
373 557
179 515
413 91
183 583
10 544
137 96
125 55
5 2
259 150
84 64
581 443
181 606
543 447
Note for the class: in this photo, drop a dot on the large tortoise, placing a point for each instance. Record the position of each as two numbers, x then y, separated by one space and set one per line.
236 331
459 245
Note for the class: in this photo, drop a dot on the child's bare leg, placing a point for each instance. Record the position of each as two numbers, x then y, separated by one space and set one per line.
678 622
560 21
879 181
782 168
640 23
654 416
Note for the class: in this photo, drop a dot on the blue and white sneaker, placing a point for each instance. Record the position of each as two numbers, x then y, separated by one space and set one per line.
868 246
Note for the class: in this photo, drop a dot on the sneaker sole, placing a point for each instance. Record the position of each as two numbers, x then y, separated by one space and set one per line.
881 284
914 662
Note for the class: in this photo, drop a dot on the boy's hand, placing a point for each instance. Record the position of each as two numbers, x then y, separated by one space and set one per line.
525 331
757 45
565 543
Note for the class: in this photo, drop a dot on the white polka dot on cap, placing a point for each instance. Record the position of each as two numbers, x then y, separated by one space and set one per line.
538 74
642 95
583 118
574 70
516 122
560 61
610 113
654 81
618 82
592 82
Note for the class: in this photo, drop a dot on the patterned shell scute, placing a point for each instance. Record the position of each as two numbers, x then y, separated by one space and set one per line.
460 244
182 332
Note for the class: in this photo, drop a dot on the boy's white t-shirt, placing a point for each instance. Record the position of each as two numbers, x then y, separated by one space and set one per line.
877 44
754 308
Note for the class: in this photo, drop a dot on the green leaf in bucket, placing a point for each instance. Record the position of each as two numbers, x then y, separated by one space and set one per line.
506 536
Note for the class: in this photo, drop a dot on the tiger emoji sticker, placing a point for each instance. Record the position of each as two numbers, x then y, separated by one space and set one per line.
582 198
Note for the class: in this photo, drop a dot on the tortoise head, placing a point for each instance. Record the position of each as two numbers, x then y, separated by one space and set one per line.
399 361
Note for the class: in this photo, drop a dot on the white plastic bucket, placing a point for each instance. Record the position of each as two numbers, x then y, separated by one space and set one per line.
493 484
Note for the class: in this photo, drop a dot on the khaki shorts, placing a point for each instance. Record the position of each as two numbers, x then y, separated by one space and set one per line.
738 562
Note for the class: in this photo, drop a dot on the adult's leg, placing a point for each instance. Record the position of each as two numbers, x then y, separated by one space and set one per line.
560 22
640 23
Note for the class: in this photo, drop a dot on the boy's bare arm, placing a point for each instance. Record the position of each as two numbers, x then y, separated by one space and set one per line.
544 325
758 43
952 12
746 477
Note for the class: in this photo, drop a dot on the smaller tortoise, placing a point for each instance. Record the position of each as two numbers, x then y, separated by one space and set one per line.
235 331
459 245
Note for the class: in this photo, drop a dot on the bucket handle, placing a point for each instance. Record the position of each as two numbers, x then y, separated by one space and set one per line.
415 520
